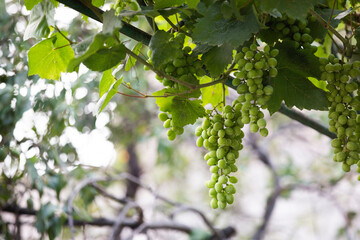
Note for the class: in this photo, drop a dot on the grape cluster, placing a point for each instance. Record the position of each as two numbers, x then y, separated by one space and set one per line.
344 100
183 68
168 124
252 82
221 135
291 29
120 5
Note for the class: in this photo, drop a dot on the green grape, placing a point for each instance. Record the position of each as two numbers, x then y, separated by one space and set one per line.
167 123
163 117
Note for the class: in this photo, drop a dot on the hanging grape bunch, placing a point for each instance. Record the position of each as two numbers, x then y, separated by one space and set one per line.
344 101
252 82
294 30
221 135
183 68
121 5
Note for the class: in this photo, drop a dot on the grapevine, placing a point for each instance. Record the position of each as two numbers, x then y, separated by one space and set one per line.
266 51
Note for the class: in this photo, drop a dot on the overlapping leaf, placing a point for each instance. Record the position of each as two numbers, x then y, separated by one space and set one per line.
163 50
213 29
50 57
291 84
297 9
182 110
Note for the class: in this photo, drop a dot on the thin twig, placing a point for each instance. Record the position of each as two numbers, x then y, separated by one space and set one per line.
118 225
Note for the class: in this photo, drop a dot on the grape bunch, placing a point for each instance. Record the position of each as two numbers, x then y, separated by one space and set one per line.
221 135
294 30
168 124
183 68
344 100
120 5
252 82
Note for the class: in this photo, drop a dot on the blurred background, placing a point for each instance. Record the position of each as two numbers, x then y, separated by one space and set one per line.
54 153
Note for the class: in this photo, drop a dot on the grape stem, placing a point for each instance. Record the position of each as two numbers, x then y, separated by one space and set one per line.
347 46
131 53
296 115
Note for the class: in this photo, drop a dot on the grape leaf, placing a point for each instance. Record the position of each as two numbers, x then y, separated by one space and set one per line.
217 59
111 22
182 110
131 61
214 30
106 97
106 81
41 17
192 3
212 94
98 3
167 3
291 83
105 58
163 50
317 30
50 57
100 55
186 112
297 9
29 4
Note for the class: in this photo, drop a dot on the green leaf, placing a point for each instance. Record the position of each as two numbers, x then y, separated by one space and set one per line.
98 53
291 83
163 51
106 97
50 57
111 22
217 59
105 58
297 9
29 4
56 182
183 111
212 94
167 3
317 30
192 3
214 30
41 17
98 3
106 81
131 60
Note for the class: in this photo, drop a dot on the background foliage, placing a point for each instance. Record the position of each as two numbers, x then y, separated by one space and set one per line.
49 187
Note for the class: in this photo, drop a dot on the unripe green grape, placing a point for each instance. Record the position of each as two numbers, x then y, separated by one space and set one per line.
230 189
274 52
268 90
272 62
254 127
273 72
163 117
264 132
223 179
212 192
345 167
211 162
261 123
167 123
221 197
171 135
297 37
220 153
248 66
233 179
218 187
222 205
214 203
